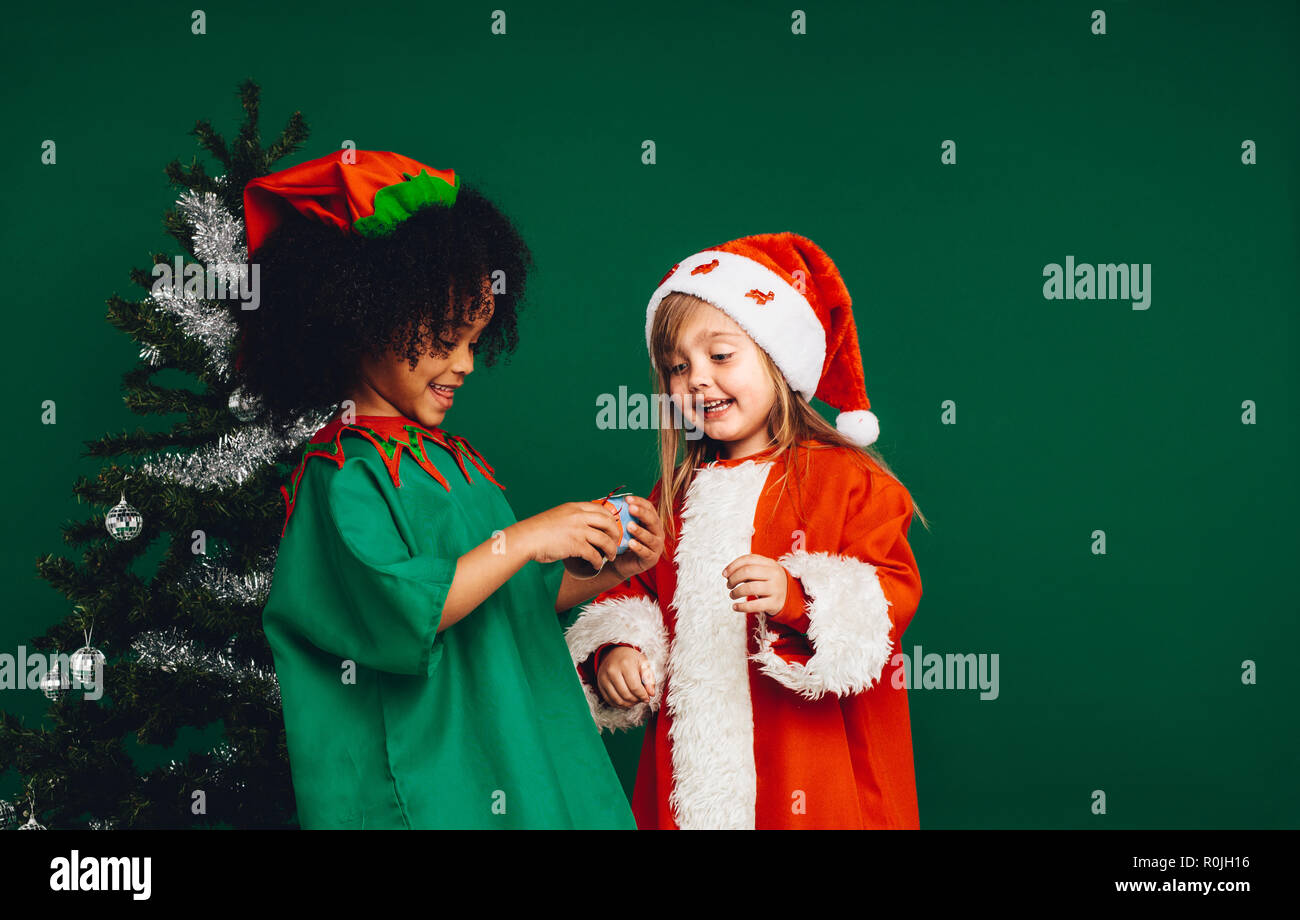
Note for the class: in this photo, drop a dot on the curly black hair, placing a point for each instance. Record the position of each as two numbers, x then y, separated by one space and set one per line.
328 298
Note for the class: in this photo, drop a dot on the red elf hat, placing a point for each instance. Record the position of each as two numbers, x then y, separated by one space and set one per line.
367 192
784 291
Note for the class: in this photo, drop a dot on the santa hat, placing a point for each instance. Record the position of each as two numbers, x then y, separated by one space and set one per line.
367 192
789 296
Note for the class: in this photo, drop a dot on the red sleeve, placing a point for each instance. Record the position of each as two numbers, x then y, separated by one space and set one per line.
861 592
795 612
878 534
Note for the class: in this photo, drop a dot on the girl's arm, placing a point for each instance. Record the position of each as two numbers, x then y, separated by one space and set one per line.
625 614
399 601
859 599
582 529
573 590
482 571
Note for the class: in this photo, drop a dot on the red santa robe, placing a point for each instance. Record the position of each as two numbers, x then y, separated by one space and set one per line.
797 720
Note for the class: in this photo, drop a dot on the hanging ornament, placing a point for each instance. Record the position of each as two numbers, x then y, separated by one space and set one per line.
85 663
8 815
32 824
52 684
124 522
244 406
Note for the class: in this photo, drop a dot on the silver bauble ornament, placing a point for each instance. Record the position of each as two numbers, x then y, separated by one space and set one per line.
85 663
243 406
123 521
52 684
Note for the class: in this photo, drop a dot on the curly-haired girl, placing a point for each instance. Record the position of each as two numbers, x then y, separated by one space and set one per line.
423 672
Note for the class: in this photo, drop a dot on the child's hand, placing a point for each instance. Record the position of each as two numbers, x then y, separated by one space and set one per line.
625 677
575 529
647 541
758 577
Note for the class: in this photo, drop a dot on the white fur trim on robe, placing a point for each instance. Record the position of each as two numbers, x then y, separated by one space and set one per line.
635 620
715 782
848 616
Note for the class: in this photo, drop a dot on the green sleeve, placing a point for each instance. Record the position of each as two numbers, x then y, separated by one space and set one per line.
388 620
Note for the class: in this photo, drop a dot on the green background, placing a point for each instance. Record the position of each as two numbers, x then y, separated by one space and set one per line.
1119 672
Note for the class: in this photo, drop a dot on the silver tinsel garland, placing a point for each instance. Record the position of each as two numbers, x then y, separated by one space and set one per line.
218 243
170 650
225 585
207 321
218 234
224 755
234 457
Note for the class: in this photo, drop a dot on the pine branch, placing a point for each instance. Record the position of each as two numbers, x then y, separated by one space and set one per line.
248 159
59 572
179 230
211 141
103 601
145 279
182 435
150 399
148 325
249 140
291 139
194 176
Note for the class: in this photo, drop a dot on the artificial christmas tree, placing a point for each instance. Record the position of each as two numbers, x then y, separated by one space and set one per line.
185 646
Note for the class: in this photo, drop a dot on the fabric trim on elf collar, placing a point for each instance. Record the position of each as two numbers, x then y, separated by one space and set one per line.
389 434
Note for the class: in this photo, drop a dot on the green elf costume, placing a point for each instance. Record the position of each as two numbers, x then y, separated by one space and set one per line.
390 723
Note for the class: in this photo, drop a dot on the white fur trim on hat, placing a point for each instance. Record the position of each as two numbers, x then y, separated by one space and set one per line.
860 426
781 320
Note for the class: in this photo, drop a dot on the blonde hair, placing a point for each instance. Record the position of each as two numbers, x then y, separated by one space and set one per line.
791 423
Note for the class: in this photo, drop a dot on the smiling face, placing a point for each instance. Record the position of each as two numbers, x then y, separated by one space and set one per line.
425 393
716 372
